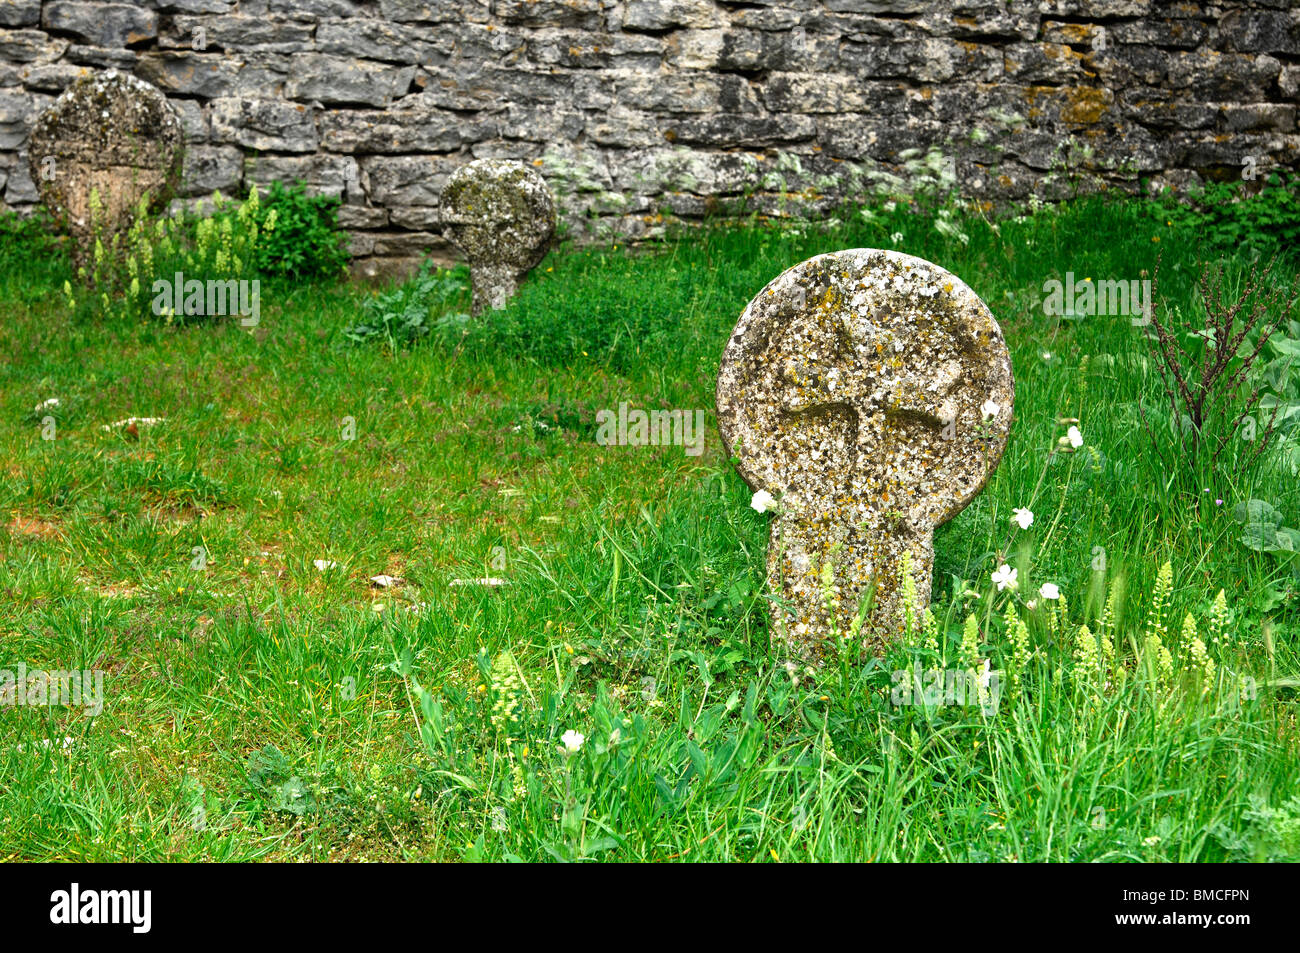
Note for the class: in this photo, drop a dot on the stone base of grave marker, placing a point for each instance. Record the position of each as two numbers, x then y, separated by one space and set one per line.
825 572
870 393
494 285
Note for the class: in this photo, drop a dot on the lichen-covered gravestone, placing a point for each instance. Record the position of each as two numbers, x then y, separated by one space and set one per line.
868 392
502 216
109 134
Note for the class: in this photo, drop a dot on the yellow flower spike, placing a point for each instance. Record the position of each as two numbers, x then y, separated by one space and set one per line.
1189 633
970 643
910 600
1218 618
1087 660
931 642
1160 600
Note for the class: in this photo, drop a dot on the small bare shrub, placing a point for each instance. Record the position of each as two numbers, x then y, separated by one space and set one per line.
1204 371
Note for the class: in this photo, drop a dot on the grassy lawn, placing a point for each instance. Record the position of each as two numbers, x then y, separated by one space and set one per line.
258 706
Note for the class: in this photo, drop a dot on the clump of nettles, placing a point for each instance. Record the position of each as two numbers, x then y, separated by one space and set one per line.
119 279
403 314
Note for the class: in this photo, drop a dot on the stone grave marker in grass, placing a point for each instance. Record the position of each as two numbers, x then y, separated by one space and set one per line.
869 393
501 214
110 135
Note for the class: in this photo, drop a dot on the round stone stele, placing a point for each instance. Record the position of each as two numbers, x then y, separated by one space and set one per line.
502 216
869 392
112 134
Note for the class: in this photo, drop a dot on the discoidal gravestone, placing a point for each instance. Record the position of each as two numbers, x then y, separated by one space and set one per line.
869 392
502 216
112 135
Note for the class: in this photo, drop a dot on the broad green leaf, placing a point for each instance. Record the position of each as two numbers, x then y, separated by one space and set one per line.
1256 511
1285 346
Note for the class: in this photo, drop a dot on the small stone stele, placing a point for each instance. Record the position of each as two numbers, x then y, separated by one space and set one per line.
112 134
870 393
502 216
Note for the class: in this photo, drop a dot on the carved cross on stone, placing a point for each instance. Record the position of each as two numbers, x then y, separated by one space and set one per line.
502 215
870 392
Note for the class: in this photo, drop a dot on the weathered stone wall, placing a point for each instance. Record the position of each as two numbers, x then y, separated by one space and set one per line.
640 110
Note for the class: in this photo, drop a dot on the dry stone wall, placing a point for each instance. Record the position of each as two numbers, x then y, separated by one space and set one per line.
640 111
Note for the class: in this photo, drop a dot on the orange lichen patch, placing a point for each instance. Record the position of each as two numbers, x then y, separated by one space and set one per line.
1085 104
1057 51
1072 32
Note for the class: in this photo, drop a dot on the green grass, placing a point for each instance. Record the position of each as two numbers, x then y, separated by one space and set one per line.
261 708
